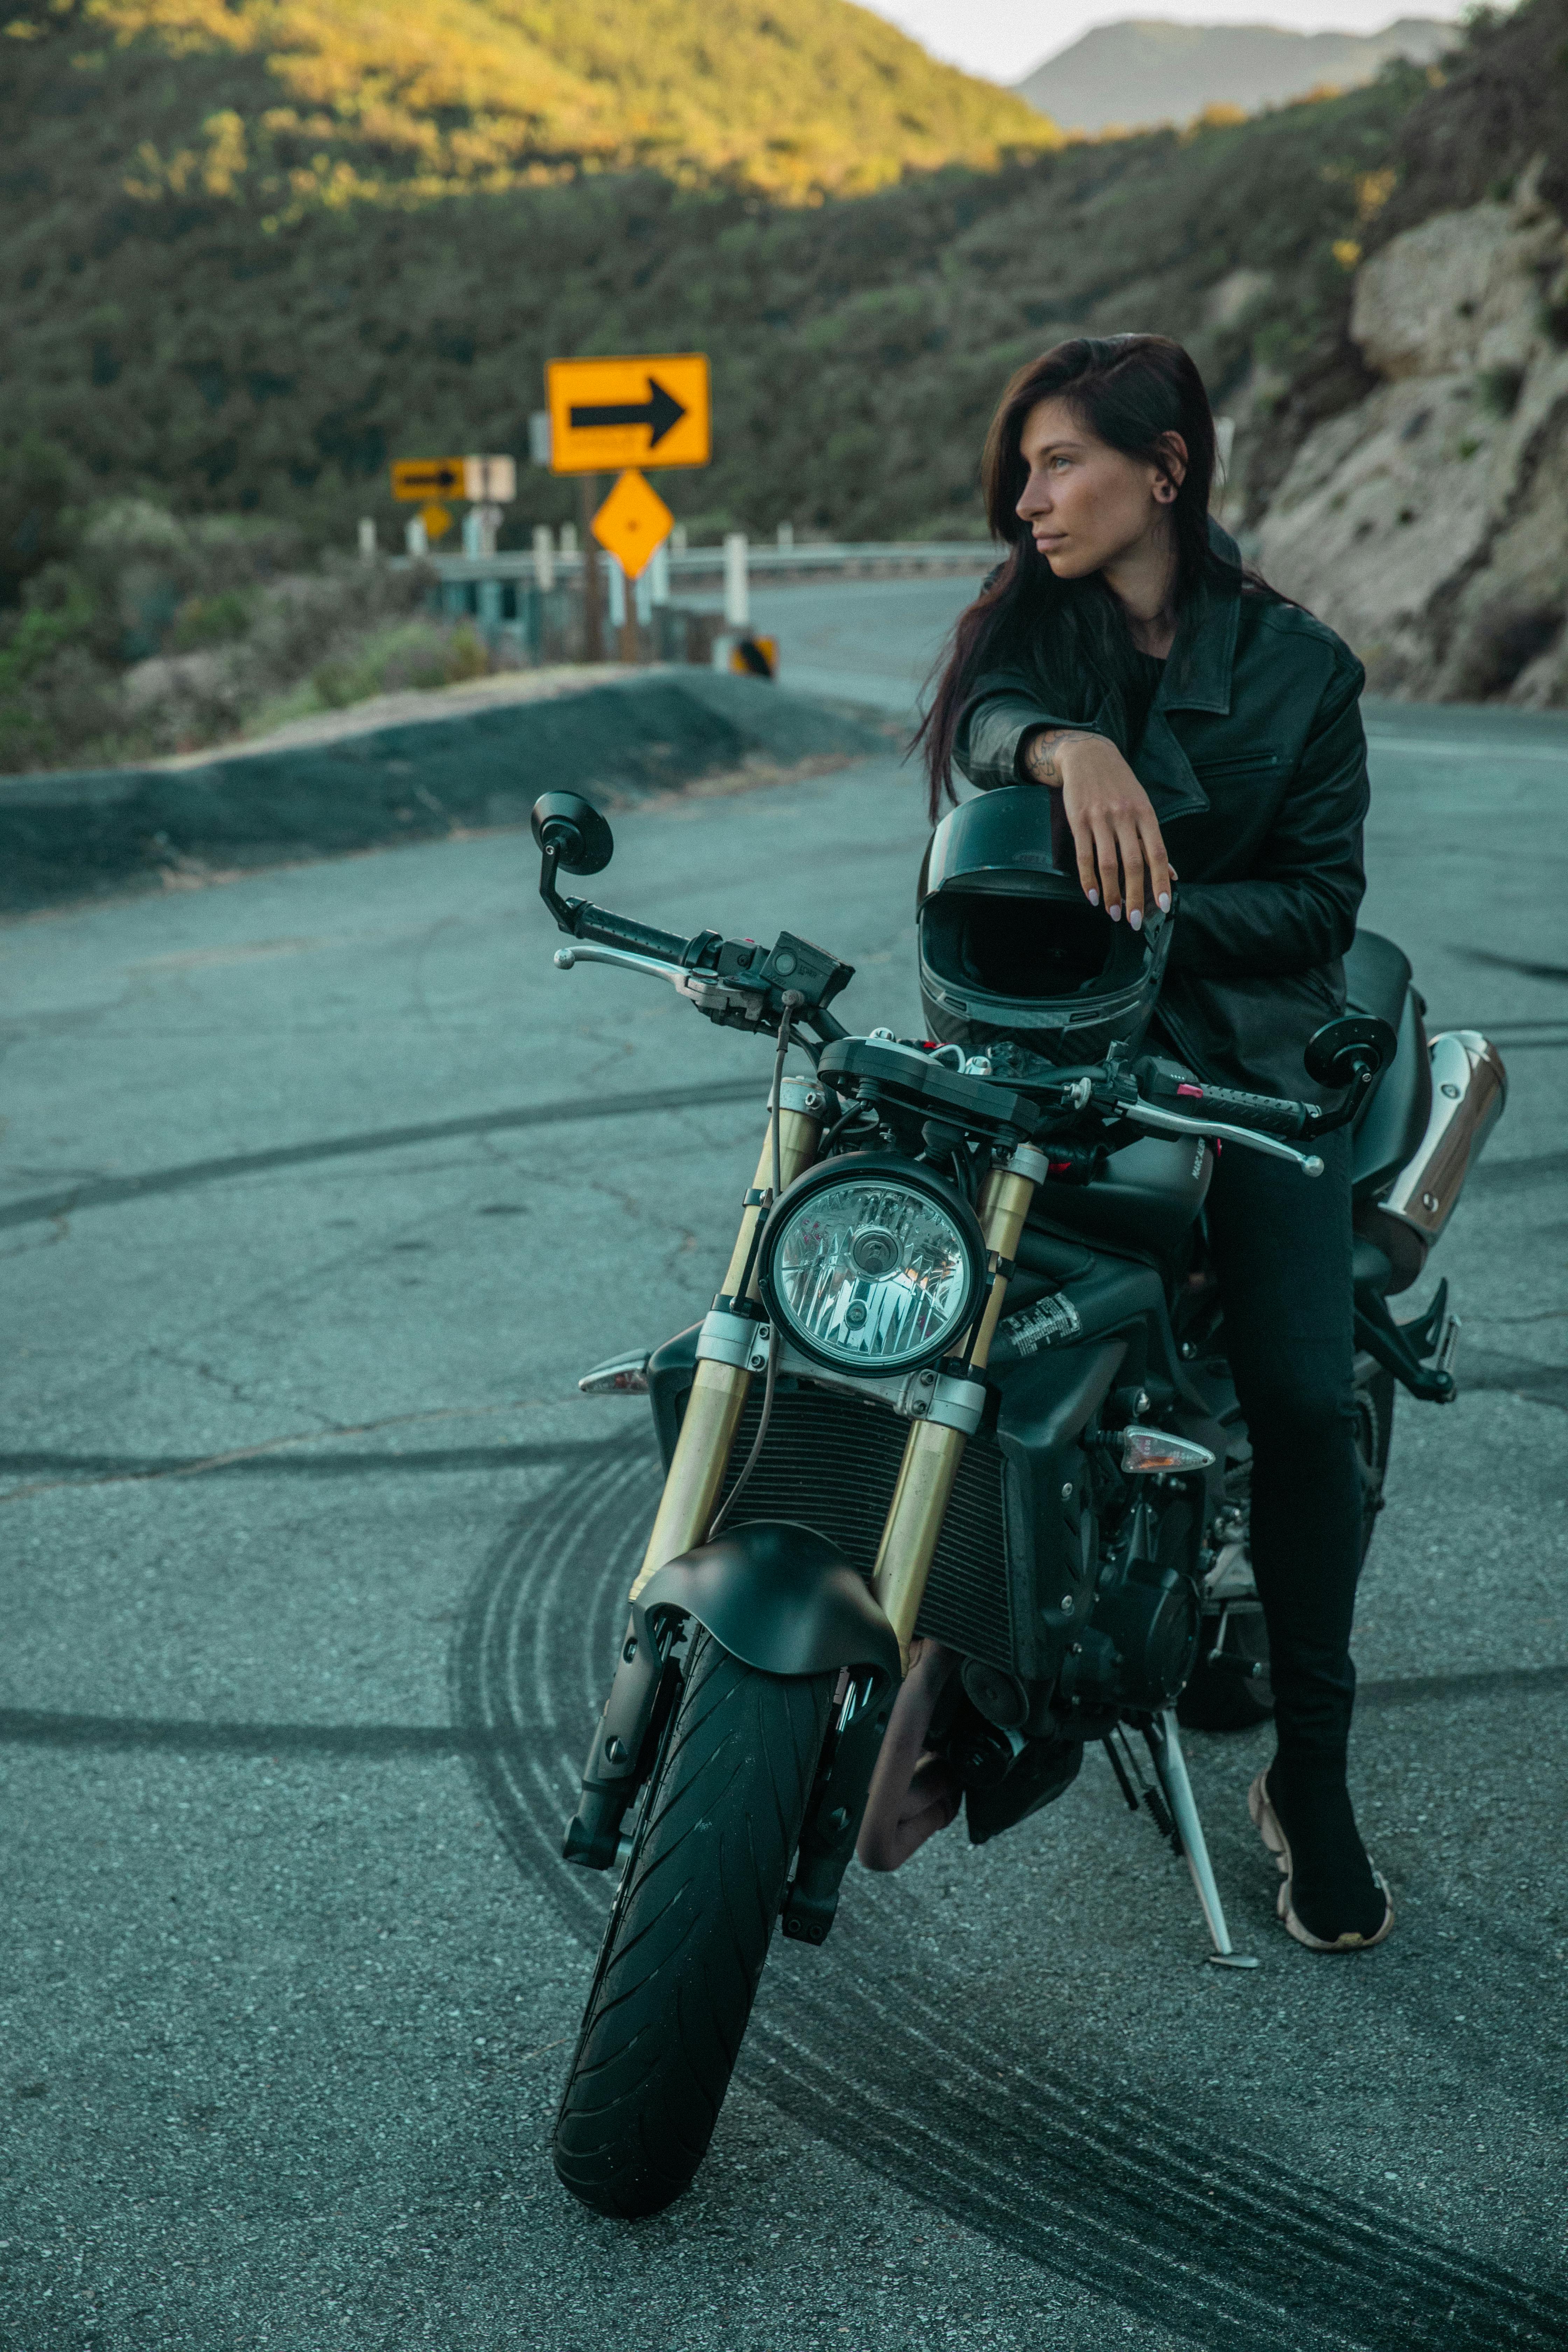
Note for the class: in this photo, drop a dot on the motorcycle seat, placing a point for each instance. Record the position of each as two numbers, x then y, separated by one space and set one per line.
1391 1122
1377 977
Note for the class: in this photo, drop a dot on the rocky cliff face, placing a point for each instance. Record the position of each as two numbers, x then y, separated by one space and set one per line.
1429 523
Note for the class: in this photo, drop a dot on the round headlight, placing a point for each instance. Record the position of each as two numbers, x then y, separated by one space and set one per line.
873 1266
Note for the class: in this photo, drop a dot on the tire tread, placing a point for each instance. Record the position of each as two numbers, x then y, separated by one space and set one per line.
689 1933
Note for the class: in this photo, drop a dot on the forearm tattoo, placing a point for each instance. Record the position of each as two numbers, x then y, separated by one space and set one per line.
1042 756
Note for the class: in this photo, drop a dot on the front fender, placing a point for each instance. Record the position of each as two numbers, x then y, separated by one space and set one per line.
780 1598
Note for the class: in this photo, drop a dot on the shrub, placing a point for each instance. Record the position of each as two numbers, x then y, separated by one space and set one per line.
36 478
217 620
1499 388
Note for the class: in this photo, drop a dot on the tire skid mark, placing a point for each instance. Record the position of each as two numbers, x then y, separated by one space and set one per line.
1185 2229
1206 2209
939 2157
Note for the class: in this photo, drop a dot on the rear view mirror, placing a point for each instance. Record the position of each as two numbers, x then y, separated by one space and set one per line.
1350 1051
571 830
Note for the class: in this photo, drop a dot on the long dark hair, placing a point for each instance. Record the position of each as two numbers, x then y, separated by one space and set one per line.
1131 391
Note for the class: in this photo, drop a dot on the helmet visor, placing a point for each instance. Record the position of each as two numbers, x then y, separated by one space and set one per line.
1035 949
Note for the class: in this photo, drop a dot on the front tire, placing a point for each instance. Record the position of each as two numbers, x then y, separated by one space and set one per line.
684 1950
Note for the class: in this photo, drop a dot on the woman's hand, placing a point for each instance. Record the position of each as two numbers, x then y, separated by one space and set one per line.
1114 828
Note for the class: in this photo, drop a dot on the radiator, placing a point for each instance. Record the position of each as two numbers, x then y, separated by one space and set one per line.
832 1461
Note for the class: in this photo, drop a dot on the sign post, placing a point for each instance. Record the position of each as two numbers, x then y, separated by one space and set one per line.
633 523
633 414
592 608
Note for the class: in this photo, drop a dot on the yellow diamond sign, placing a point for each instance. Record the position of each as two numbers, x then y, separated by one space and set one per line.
633 522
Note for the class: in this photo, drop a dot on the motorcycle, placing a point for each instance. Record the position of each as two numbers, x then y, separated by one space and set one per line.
956 1481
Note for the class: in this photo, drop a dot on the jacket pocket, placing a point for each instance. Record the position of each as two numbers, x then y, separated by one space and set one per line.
1238 764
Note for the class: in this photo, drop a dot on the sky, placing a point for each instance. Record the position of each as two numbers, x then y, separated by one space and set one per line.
1004 39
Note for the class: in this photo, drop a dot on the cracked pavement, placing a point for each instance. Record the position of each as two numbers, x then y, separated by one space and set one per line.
317 1191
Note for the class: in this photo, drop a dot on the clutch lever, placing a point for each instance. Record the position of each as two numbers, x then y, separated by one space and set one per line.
585 953
700 991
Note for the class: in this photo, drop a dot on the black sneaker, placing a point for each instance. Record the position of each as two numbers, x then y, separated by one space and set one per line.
1334 1901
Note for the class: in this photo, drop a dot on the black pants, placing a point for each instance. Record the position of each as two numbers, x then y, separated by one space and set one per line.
1281 1244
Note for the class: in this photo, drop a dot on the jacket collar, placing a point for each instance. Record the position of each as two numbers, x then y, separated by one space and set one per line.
1198 672
1198 677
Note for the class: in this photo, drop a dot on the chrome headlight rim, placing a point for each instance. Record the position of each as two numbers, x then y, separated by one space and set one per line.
872 1167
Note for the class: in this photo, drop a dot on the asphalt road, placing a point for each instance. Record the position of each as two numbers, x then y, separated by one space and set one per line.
317 1189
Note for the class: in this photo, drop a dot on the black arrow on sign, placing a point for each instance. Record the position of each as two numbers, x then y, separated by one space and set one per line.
432 477
658 411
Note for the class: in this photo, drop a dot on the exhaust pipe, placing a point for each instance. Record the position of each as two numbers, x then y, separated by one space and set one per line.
1469 1090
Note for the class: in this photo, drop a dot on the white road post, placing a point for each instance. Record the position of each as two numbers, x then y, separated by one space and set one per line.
367 539
642 596
786 534
737 592
658 574
544 557
677 538
1225 442
414 536
473 533
617 592
568 539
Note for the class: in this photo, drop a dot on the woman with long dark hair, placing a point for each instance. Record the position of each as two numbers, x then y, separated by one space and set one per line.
1191 721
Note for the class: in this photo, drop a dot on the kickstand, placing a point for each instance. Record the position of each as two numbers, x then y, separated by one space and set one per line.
1170 1766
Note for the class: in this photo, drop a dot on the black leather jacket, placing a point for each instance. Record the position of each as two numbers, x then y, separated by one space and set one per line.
1255 759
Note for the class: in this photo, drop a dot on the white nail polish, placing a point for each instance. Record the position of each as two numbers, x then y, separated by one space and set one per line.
1114 913
1094 898
1165 902
1135 919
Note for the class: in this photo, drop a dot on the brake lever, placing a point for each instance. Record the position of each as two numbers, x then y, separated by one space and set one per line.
1171 1122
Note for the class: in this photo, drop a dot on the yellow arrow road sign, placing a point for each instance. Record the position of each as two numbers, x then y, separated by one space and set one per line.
632 523
482 479
650 410
418 478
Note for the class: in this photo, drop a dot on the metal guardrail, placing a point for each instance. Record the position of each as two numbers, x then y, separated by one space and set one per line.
675 600
695 563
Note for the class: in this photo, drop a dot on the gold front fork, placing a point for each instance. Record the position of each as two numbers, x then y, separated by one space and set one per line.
719 1391
932 1453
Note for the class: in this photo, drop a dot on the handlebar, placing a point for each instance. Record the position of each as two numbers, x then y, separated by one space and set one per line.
699 980
736 983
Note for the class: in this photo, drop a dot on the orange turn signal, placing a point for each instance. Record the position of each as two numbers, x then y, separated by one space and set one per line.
1155 1449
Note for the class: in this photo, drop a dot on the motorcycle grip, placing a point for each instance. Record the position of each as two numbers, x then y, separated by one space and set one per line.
620 931
1289 1120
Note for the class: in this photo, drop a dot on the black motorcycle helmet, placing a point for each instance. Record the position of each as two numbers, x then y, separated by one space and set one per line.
1013 956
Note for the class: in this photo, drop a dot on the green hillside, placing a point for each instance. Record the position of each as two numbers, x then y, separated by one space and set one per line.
195 342
178 324
279 106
